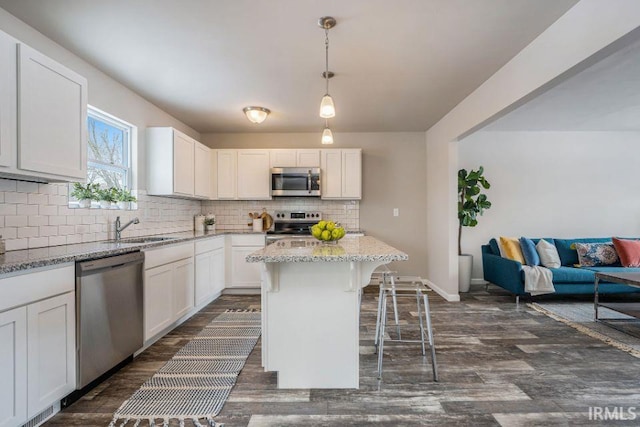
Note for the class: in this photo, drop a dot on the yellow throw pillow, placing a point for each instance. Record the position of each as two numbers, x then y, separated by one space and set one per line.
511 249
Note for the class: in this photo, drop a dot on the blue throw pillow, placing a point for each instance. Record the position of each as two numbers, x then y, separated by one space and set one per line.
529 251
495 249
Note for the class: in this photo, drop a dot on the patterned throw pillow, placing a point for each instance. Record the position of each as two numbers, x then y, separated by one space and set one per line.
596 254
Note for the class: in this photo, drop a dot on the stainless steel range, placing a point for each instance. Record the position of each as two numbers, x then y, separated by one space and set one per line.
292 223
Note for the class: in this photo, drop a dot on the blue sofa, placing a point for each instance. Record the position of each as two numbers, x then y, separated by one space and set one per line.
567 279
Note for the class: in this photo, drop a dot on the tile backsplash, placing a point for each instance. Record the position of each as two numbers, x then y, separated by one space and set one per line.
35 215
232 214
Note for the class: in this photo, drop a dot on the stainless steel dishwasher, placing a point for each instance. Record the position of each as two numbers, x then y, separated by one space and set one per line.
109 318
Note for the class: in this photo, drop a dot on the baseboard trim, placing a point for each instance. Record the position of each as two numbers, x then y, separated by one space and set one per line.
478 282
449 297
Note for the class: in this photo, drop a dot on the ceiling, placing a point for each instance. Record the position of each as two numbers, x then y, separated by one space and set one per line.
604 97
400 65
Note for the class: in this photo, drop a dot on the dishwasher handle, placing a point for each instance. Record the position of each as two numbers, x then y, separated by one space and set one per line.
94 266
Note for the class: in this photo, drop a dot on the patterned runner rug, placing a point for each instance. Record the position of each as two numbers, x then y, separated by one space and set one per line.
194 385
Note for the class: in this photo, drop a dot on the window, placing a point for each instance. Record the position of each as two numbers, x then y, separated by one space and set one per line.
108 151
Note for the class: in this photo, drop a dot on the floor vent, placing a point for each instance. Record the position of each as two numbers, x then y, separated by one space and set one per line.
41 417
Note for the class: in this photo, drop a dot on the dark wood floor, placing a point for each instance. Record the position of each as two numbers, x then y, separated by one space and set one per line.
500 364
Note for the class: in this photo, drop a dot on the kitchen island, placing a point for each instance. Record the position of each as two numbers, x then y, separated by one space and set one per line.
310 307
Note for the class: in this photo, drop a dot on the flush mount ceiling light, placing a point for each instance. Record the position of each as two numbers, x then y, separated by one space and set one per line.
256 114
327 108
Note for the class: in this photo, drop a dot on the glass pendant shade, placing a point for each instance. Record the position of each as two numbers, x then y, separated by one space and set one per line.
256 114
327 109
327 136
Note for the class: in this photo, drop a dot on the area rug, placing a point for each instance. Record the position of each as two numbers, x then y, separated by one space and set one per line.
193 386
580 316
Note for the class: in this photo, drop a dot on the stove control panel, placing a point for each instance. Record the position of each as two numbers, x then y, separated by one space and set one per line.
292 216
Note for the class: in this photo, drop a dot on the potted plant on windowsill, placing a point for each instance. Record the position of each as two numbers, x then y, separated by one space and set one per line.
471 203
107 197
124 198
85 193
210 224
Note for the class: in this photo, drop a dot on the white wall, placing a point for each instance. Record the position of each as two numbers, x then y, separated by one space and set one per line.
588 32
554 184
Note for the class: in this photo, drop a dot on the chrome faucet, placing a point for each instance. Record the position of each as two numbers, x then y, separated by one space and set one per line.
120 229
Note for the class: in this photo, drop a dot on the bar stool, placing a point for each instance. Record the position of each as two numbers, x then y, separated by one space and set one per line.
383 275
405 286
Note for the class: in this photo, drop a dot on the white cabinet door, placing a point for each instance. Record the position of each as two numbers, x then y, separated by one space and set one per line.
254 175
183 287
52 117
202 166
51 344
213 165
244 274
308 158
351 174
218 270
8 101
158 298
227 174
13 367
331 177
204 277
183 164
283 158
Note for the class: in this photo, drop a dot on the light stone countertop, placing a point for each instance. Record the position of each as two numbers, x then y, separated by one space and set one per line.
13 261
308 249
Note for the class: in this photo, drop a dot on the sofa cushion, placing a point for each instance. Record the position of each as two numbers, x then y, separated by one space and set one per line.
629 251
597 254
548 254
567 252
572 275
495 249
529 251
618 269
511 249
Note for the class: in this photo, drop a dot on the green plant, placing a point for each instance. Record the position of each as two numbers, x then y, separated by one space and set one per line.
209 221
85 192
471 201
107 194
124 195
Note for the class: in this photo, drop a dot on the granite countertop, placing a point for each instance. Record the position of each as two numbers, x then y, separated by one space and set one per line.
39 257
308 249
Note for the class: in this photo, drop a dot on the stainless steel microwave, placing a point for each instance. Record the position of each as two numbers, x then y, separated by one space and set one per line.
296 182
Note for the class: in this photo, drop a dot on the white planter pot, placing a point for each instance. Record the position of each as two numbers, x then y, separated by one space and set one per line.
465 265
84 203
105 205
210 228
123 205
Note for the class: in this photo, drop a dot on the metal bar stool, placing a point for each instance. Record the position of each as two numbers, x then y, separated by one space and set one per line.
406 286
384 279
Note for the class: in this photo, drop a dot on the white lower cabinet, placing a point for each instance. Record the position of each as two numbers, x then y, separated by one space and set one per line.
168 286
51 346
13 367
37 342
244 274
209 269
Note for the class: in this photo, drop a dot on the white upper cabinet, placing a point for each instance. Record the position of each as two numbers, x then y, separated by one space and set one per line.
202 171
254 175
8 100
43 116
341 174
188 160
52 117
295 158
308 158
227 174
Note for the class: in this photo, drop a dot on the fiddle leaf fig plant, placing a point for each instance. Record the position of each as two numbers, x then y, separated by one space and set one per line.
471 201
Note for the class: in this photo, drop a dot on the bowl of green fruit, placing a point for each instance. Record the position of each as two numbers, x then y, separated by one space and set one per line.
327 231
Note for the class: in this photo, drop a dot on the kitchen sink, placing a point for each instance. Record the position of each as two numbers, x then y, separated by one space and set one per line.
143 240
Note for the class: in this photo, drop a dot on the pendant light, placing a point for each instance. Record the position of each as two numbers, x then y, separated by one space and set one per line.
327 108
327 135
